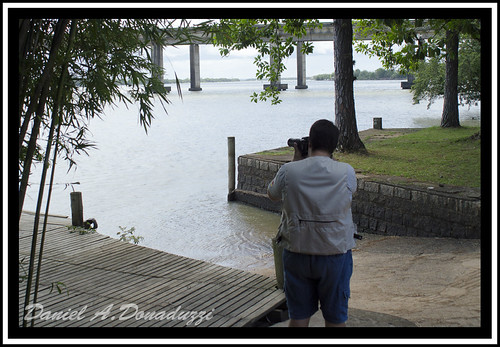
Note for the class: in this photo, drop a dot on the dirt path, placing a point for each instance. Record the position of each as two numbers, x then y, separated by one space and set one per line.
411 281
432 282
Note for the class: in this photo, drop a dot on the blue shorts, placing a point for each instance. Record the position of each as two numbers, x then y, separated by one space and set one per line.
313 278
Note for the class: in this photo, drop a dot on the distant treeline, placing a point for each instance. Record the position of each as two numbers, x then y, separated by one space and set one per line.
379 74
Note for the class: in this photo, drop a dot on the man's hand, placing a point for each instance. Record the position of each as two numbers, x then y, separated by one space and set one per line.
297 155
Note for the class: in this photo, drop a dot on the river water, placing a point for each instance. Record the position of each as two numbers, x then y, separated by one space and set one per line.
171 184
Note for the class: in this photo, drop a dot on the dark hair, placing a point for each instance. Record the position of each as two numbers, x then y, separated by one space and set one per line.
324 135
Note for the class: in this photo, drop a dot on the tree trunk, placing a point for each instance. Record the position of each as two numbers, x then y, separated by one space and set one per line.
38 104
29 43
450 117
345 116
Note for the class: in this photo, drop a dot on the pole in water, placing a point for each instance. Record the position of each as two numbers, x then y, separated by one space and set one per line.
377 123
76 209
231 171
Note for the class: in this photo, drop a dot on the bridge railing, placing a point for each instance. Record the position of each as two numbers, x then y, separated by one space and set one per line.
325 33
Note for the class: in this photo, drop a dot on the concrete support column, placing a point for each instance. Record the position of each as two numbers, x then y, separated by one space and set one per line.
278 83
194 62
301 68
409 83
157 56
271 61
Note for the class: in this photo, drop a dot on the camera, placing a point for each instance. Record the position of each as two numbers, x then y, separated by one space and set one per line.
302 145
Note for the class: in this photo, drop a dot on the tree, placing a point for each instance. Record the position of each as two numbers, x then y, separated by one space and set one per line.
430 76
69 71
429 81
345 115
449 117
400 43
277 38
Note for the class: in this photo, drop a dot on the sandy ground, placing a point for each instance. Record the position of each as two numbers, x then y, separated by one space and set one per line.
410 281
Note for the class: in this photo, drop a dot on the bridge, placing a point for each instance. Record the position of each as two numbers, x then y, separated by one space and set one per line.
325 33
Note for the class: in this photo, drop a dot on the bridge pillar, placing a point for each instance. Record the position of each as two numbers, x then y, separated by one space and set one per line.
157 57
301 68
194 62
278 83
407 84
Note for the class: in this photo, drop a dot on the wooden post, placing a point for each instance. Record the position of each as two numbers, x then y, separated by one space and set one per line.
76 209
231 171
377 123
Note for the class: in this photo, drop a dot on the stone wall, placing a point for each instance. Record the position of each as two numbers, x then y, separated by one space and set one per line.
379 207
389 209
254 174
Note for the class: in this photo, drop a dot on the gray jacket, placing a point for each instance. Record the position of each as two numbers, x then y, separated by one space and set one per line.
316 214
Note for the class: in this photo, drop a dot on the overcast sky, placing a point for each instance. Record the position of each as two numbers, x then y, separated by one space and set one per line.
239 64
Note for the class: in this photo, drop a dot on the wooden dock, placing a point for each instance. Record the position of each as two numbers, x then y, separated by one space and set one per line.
111 283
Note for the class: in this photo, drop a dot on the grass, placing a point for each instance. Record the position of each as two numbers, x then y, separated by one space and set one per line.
276 152
433 155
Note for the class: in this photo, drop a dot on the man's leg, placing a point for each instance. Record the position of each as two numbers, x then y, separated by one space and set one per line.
333 325
302 323
334 289
300 290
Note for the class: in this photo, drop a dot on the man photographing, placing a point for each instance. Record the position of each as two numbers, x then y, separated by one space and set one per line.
316 229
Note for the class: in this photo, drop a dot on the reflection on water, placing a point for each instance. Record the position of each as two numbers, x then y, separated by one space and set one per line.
171 185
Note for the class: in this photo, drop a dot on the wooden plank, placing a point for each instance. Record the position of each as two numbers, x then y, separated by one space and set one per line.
97 319
252 312
137 321
239 308
110 253
97 280
75 303
90 303
218 291
149 294
26 232
93 255
217 322
116 289
92 314
172 271
223 307
66 245
208 272
181 268
80 244
216 294
122 288
150 265
55 303
147 286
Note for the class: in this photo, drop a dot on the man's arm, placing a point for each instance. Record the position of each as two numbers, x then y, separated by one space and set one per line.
272 197
274 189
352 181
297 154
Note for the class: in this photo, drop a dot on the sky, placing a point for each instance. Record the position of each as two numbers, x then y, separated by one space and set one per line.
239 64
